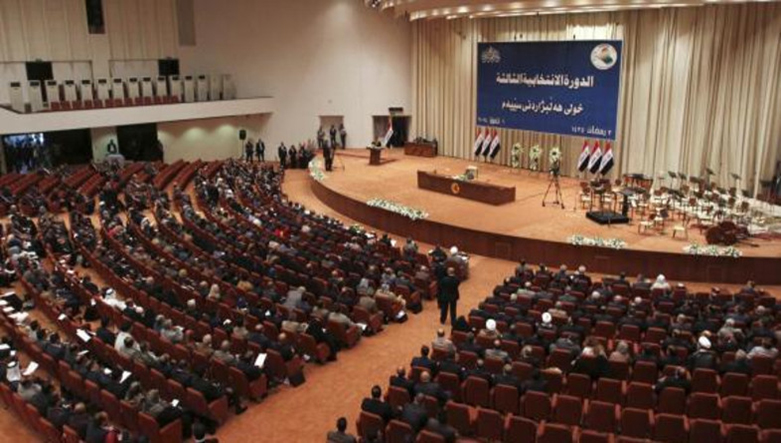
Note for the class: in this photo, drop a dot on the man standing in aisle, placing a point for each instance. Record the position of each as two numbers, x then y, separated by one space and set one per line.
447 299
260 150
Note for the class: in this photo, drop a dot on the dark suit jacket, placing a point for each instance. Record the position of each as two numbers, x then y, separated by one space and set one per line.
377 407
448 289
403 383
414 415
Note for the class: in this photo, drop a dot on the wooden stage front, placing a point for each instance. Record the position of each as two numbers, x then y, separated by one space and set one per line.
524 228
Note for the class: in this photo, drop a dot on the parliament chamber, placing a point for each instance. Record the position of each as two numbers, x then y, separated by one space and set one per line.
366 221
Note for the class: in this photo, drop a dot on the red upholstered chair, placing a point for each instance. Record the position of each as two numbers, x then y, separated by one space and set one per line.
567 410
553 433
254 390
741 434
609 390
602 416
734 384
451 383
476 392
460 417
645 372
489 425
640 396
769 414
429 437
703 405
671 428
520 430
536 406
369 423
560 358
589 436
216 410
771 436
637 422
111 405
171 433
761 365
579 385
398 432
320 352
505 399
737 410
398 397
764 387
704 431
69 435
672 401
705 380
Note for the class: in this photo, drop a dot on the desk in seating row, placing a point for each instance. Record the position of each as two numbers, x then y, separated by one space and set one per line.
420 149
472 190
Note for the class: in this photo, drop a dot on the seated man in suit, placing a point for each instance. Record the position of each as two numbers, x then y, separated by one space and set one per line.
400 380
443 344
376 406
430 388
415 413
340 435
507 378
447 432
423 361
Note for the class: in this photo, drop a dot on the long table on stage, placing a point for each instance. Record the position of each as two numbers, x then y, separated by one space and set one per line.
472 189
420 149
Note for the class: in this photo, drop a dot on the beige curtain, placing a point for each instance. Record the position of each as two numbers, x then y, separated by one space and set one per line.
700 86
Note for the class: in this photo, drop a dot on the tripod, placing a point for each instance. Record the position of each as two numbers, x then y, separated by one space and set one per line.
558 199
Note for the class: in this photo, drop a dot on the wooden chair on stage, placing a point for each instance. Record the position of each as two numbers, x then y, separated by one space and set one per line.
585 195
682 227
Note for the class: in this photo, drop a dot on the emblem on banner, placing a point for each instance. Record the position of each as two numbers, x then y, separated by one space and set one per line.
455 188
604 56
491 55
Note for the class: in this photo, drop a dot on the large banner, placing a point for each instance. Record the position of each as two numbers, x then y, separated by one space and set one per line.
560 87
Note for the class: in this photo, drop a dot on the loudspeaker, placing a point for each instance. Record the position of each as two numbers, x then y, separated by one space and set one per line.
242 134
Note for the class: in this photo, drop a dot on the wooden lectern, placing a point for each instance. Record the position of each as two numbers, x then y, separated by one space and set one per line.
374 156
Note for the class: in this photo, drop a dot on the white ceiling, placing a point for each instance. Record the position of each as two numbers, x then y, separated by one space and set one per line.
449 9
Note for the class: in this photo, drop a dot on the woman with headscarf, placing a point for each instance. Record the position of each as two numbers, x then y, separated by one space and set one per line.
661 283
214 293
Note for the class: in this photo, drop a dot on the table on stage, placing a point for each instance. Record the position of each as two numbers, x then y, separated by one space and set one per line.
472 189
420 149
374 156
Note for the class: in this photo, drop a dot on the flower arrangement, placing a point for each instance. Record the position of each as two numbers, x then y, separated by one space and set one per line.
713 250
515 155
355 228
406 211
612 243
534 157
462 177
554 154
315 171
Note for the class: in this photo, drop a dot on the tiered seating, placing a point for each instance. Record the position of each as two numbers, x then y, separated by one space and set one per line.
554 392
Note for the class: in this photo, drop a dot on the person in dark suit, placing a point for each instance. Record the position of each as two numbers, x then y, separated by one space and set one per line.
400 380
376 406
104 333
282 154
443 429
260 150
79 420
328 156
340 435
430 388
448 296
248 151
423 360
415 414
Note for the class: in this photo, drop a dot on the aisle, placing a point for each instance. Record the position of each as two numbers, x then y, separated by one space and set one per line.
306 413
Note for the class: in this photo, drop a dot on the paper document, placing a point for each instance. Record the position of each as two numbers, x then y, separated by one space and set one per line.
363 326
30 369
125 375
62 317
261 360
175 402
83 335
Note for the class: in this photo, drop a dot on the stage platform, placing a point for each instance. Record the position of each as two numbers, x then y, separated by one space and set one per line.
526 229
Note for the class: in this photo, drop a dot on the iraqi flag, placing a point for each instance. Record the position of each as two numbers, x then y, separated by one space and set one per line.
607 160
486 143
496 145
479 142
585 154
596 157
388 133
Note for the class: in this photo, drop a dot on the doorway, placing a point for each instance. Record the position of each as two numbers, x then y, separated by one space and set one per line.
327 121
401 124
